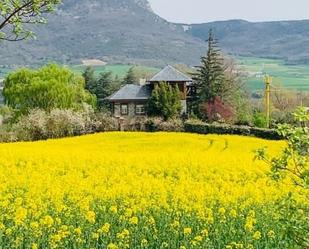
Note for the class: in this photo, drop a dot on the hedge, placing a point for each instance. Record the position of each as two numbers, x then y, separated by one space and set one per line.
204 128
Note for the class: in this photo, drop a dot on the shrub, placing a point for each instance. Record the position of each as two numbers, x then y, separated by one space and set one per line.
32 126
7 115
204 128
259 120
64 123
164 101
103 122
158 124
7 136
218 111
40 125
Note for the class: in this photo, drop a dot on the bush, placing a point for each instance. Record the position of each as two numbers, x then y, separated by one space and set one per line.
40 125
65 123
7 115
32 126
204 128
7 136
103 122
259 120
158 124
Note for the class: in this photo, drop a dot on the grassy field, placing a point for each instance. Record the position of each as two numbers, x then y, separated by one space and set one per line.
119 70
287 76
140 190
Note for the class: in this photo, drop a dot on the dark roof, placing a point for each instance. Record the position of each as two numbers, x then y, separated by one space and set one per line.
131 92
170 74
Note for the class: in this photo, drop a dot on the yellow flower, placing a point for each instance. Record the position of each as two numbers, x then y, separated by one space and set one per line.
2 227
144 242
198 238
133 220
34 246
112 246
233 213
128 213
222 211
8 231
90 216
95 236
20 215
78 231
187 231
105 228
56 238
34 225
113 209
175 224
47 221
271 234
257 235
204 233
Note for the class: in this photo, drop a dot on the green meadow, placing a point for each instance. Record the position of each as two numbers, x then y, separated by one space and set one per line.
117 69
293 77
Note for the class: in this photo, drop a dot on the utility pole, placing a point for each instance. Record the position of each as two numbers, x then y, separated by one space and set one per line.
268 81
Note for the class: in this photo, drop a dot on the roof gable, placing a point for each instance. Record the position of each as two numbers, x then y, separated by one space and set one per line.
170 74
131 92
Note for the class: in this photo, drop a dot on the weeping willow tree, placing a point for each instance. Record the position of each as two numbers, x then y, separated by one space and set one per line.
46 88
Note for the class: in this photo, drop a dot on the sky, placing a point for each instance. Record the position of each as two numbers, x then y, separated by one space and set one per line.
198 11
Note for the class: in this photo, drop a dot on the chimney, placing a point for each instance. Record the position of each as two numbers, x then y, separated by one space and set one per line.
142 82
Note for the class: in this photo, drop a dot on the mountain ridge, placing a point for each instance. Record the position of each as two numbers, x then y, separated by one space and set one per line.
129 32
287 40
116 31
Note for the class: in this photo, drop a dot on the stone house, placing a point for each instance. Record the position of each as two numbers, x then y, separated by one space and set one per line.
130 100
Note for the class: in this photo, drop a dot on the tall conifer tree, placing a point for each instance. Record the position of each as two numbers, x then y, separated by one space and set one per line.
210 76
130 77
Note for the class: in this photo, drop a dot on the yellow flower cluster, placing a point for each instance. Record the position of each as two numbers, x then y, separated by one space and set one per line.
139 190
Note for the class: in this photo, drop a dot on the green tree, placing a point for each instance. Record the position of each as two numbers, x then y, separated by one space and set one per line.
130 77
90 79
164 101
219 80
16 16
294 159
293 163
104 88
210 77
46 88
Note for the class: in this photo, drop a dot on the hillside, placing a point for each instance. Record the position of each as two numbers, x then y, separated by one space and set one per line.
287 40
111 30
128 31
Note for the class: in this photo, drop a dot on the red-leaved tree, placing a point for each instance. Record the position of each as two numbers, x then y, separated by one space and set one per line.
218 111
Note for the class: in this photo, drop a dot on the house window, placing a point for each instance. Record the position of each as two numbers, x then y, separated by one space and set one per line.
124 109
139 109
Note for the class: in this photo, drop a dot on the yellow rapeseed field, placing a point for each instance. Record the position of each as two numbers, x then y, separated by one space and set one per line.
139 190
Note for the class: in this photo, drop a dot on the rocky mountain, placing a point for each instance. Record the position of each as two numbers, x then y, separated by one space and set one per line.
122 31
288 40
128 31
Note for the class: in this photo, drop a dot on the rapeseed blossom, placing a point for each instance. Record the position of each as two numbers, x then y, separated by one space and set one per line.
140 190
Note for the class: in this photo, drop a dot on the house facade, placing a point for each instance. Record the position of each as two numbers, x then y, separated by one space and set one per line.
131 99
